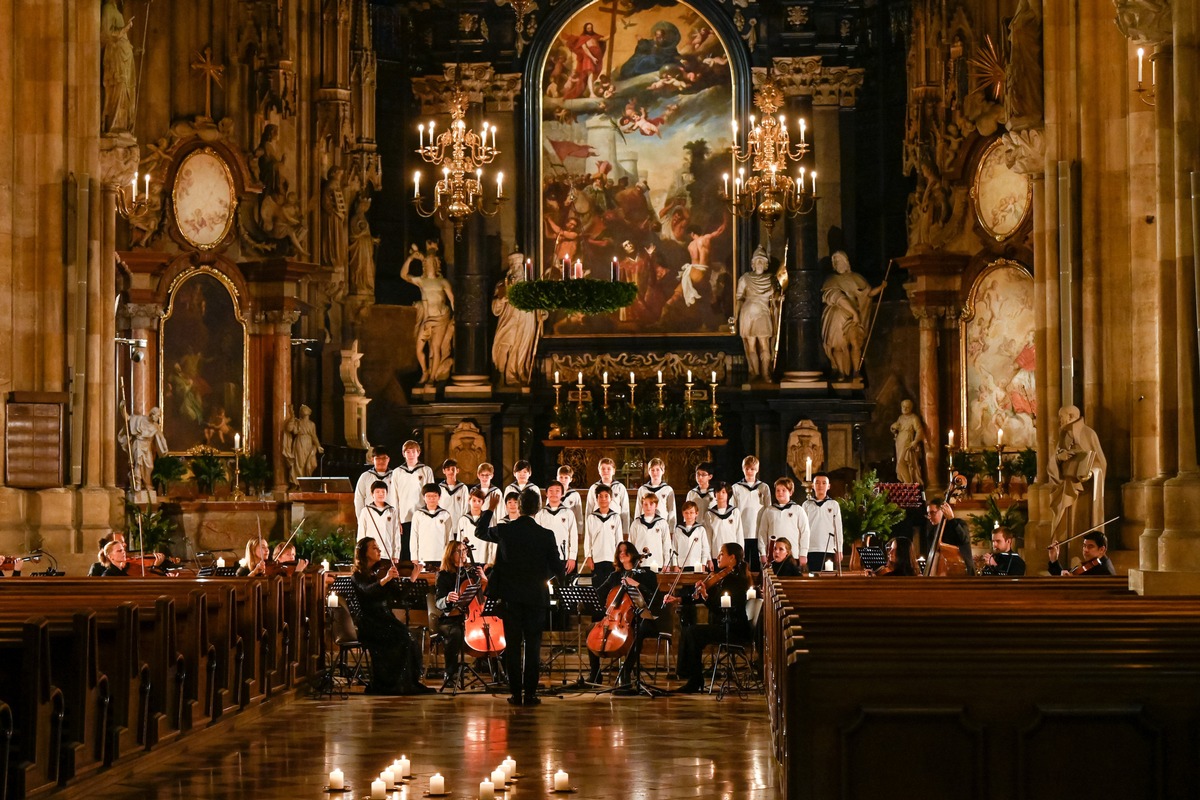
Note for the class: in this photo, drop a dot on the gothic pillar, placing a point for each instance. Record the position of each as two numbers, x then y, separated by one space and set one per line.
929 390
106 330
279 325
472 372
800 334
142 321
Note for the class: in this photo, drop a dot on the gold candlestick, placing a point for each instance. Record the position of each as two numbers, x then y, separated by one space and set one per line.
604 423
716 424
632 406
237 477
579 409
687 405
662 423
1000 469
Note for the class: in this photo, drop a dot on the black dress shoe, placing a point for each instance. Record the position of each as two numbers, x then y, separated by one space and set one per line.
533 701
514 701
691 687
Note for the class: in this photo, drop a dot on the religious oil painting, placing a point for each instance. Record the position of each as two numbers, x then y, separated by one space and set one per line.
204 199
999 359
637 99
1003 198
202 364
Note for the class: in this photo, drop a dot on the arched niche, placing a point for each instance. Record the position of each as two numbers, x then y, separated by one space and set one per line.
651 103
203 363
998 358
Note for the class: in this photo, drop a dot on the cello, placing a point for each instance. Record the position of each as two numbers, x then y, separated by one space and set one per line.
612 637
483 634
945 560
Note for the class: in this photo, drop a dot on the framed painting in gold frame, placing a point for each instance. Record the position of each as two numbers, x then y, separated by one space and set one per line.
1002 198
204 199
203 364
998 359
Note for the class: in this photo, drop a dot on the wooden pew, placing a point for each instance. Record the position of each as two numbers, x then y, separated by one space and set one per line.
874 688
37 706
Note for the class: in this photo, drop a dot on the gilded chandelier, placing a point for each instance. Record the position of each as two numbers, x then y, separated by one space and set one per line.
462 154
769 190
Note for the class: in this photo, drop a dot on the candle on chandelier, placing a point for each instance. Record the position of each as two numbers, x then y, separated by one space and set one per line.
814 182
1141 54
421 136
802 127
133 183
416 184
605 381
802 179
146 177
499 184
725 178
950 438
431 141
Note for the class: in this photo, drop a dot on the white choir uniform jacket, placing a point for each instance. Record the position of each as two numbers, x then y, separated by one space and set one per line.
487 495
382 525
666 501
691 547
406 489
484 552
654 535
430 532
784 522
456 500
750 501
724 527
512 487
619 504
702 500
601 534
824 525
561 522
573 502
362 489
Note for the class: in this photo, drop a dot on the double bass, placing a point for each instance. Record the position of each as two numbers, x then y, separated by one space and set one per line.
945 560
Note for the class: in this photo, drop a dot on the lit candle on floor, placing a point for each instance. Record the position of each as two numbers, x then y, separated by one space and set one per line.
726 601
437 784
337 780
498 777
487 790
405 767
388 777
562 781
378 790
510 768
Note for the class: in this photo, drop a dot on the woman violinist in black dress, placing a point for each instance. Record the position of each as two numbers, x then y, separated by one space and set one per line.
395 656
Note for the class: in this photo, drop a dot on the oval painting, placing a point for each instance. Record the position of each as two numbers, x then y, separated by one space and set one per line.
1002 197
204 199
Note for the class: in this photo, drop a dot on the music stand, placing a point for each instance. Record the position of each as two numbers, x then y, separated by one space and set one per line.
410 595
634 672
579 599
872 558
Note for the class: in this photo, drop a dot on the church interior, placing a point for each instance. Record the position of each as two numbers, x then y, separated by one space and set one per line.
248 245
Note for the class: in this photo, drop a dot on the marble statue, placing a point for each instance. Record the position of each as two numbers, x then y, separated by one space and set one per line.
758 311
280 218
517 331
1078 458
909 433
847 297
300 445
143 440
1024 98
362 249
804 442
333 225
435 313
117 69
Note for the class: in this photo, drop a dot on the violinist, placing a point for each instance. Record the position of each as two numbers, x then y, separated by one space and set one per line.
11 563
258 555
1003 560
783 563
1093 560
118 560
725 624
284 555
526 559
102 561
395 656
454 576
628 573
901 559
955 533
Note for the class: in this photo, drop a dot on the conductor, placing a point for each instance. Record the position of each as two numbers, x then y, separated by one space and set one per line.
526 559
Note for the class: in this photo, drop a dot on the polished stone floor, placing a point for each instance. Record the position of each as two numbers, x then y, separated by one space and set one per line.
612 747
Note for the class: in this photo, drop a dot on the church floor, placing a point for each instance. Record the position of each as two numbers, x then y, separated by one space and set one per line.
663 748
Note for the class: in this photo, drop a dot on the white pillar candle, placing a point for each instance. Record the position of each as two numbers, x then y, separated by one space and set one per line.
437 784
388 777
829 565
579 378
337 780
726 601
133 183
751 593
378 790
950 438
632 380
562 781
605 377
556 376
808 468
660 376
510 767
333 600
417 183
1141 55
325 564
487 790
237 441
404 767
498 776
220 563
814 182
999 435
714 377
689 380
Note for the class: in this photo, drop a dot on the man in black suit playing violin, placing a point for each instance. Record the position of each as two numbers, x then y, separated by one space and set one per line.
1092 561
526 559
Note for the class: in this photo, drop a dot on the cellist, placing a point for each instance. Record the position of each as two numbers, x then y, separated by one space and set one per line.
954 534
454 576
627 573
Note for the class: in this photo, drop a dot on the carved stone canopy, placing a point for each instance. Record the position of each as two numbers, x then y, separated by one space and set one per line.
1145 21
804 76
480 82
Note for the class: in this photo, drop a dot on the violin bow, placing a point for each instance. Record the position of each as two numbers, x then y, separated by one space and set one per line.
1079 535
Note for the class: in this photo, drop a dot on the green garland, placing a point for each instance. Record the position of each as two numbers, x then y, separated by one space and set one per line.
579 294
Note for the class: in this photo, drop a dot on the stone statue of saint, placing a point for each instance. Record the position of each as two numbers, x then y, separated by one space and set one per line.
1024 98
117 69
300 445
143 439
333 226
909 433
758 310
362 248
804 442
847 297
517 332
1078 459
435 313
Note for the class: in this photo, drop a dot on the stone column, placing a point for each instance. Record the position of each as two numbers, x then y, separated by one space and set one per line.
800 326
143 321
472 372
929 389
278 324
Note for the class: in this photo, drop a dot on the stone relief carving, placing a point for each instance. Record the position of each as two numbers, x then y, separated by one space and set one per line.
468 447
1147 21
1025 152
1024 91
804 442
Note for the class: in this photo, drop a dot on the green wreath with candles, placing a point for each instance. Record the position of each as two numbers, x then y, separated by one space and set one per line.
583 295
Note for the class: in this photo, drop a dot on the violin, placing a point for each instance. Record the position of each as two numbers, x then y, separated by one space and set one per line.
710 580
945 560
483 634
1085 566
